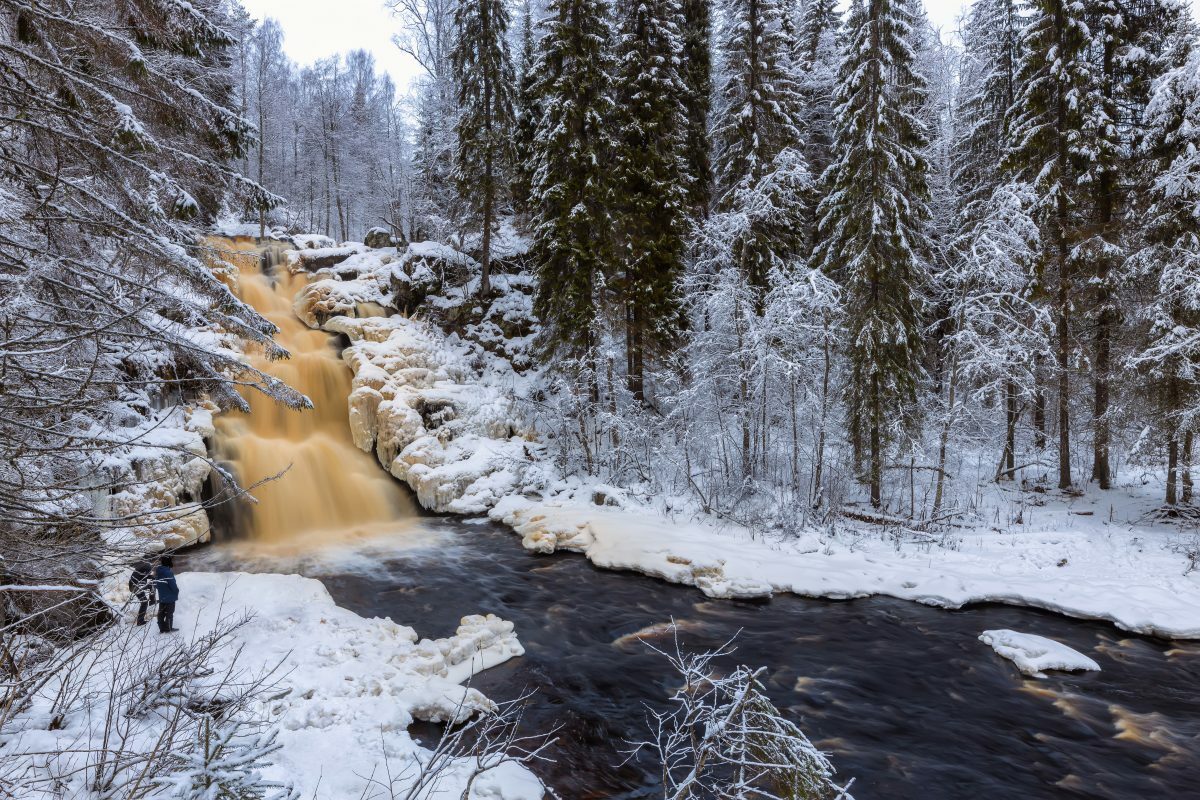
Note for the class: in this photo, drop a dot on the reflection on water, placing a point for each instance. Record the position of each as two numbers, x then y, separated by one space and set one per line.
903 696
329 490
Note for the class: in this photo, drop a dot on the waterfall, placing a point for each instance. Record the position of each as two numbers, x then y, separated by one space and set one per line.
331 489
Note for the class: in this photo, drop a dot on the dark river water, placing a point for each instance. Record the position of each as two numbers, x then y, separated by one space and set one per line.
903 698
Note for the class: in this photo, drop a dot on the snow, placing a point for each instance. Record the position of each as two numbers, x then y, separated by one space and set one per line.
1034 654
349 686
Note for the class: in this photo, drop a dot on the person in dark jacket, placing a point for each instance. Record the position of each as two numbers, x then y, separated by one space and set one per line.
141 587
168 595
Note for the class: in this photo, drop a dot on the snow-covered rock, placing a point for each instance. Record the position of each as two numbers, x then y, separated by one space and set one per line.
161 474
1034 654
456 442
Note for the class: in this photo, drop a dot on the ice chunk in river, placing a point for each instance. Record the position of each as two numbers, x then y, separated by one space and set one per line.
1033 654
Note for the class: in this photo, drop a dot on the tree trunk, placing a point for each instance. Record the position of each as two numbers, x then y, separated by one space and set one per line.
1008 461
1063 354
819 457
1172 469
634 347
1039 417
485 273
876 446
1187 467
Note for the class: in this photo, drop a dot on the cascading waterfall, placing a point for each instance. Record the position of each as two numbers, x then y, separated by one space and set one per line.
331 490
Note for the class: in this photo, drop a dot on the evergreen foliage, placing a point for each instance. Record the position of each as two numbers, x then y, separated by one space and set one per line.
696 70
757 119
484 76
872 237
572 248
649 189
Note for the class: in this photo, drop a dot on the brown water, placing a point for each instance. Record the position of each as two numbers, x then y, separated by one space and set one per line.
328 489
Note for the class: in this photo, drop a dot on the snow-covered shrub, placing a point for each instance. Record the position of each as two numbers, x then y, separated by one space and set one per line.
724 739
225 764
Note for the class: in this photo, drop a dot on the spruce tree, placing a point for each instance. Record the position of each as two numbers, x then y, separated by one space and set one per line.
484 77
1167 261
757 119
1128 52
1055 76
525 125
988 89
696 70
572 247
649 190
872 222
817 59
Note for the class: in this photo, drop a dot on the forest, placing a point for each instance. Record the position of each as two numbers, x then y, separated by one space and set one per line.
800 253
780 300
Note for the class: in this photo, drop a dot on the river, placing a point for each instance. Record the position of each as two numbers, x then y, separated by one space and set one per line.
904 698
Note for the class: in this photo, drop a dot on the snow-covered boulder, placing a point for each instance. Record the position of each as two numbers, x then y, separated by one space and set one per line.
1034 654
378 238
161 476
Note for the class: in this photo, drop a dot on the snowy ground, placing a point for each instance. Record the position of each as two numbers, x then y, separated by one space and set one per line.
348 688
438 412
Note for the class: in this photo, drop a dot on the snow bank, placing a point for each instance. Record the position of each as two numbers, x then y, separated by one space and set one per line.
350 687
1137 585
1034 654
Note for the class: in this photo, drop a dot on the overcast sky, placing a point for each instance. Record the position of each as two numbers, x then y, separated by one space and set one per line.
317 28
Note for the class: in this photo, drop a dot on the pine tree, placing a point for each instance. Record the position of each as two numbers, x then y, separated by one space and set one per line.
697 76
872 220
649 191
757 119
484 76
1055 76
572 248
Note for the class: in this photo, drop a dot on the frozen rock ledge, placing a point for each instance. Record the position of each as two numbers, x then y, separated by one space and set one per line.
1034 654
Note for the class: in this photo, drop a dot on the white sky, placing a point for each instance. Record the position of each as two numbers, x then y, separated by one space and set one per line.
317 28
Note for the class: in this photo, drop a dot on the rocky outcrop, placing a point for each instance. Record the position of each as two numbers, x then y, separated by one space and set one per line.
458 444
161 480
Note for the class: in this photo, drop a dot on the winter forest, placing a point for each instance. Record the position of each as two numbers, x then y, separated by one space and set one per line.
745 399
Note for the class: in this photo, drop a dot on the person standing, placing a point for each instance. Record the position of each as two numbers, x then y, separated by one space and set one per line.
168 595
140 586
